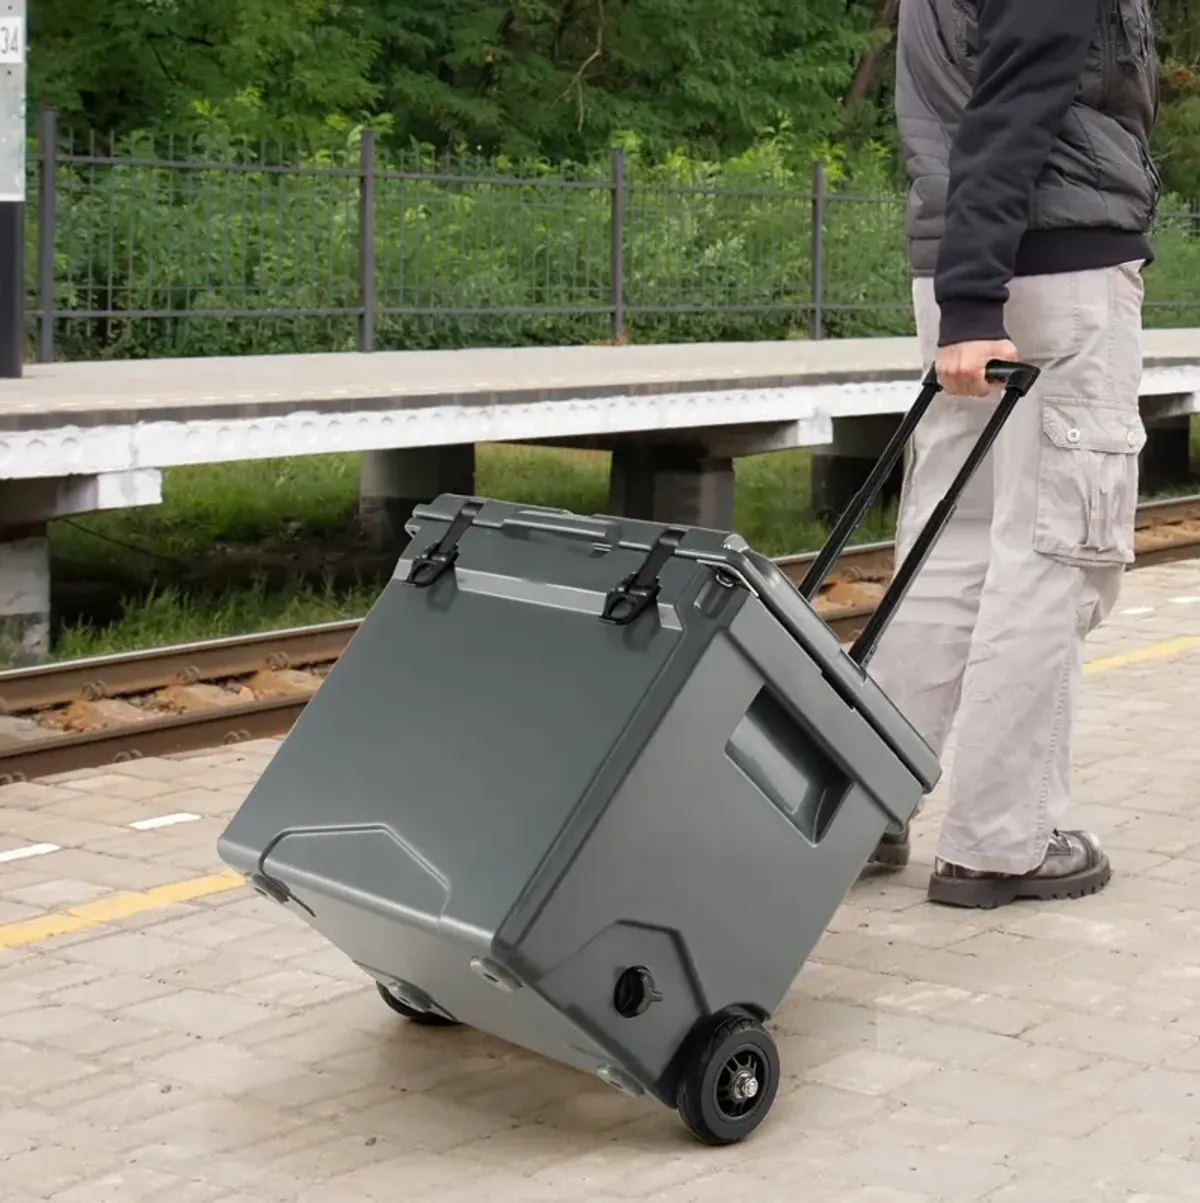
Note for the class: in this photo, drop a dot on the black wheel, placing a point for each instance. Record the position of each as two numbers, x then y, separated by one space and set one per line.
428 1019
729 1081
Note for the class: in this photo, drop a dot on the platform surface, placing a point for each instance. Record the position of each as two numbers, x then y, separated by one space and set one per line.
165 1034
116 391
97 418
215 387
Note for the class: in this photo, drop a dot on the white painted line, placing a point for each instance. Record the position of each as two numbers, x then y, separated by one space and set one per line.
163 821
1184 601
28 851
1137 611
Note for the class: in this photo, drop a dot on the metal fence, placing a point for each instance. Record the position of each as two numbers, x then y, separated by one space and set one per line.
190 249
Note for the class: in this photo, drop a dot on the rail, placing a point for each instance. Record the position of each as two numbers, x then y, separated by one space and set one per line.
228 691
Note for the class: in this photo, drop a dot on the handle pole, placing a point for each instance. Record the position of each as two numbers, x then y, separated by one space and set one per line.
862 501
1019 379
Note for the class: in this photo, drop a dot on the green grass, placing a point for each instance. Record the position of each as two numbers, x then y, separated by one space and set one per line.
186 569
171 616
270 503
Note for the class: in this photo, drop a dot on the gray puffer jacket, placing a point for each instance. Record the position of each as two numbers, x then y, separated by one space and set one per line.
1026 131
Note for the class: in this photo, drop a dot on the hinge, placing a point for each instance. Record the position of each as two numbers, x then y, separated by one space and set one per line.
276 890
430 565
639 589
272 887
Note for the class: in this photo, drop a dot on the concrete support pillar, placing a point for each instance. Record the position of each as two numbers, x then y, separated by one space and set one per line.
1165 464
392 483
671 483
24 595
841 468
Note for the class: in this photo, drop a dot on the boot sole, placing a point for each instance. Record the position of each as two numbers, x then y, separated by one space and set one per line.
989 893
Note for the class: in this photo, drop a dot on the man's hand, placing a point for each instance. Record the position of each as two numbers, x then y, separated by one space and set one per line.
960 368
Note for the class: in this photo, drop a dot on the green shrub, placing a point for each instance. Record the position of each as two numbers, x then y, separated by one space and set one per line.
475 253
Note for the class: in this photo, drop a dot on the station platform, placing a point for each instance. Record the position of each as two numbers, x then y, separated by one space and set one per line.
127 416
78 438
167 1034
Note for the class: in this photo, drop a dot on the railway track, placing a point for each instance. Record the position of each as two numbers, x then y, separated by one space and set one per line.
86 713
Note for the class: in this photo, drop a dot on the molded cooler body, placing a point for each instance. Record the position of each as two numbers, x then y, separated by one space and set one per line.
499 802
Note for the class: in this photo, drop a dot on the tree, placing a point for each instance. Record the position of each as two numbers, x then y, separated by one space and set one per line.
557 78
271 68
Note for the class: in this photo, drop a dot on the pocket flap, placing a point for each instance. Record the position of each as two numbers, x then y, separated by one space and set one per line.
1092 426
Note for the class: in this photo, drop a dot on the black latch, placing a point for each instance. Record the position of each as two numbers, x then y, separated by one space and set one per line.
635 992
429 566
640 589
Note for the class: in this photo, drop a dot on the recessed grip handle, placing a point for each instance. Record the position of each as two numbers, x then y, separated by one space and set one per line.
1010 374
555 522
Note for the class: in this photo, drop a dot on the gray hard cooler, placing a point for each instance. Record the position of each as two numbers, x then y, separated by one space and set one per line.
595 786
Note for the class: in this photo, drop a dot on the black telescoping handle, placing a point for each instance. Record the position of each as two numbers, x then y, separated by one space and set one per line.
862 501
1019 376
1017 379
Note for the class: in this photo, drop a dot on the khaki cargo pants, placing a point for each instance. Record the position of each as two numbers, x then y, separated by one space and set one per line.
990 639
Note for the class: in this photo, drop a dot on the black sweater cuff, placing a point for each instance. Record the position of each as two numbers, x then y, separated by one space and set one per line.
970 320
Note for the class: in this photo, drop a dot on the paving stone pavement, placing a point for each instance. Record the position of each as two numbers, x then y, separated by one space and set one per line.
212 1050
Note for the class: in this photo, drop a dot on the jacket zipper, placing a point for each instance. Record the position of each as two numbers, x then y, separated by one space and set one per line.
1155 179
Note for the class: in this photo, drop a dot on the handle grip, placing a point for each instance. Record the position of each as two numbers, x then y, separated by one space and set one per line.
551 522
1020 377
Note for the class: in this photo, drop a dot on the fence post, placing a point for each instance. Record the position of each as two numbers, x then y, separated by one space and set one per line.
46 231
815 316
616 245
366 241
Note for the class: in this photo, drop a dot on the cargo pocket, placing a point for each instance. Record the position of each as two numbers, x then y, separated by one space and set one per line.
1088 481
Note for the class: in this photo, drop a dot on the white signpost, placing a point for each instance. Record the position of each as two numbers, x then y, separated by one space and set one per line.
12 41
12 185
